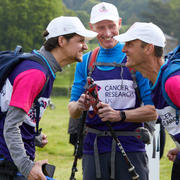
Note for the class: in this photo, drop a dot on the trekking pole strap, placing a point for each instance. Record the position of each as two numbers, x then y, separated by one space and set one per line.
113 64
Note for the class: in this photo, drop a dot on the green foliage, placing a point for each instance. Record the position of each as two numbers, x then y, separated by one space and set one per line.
175 3
23 21
88 4
81 4
131 9
166 15
73 4
156 14
127 8
84 17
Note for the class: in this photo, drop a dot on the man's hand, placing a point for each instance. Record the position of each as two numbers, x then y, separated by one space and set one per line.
106 113
36 172
44 140
172 154
83 103
40 140
76 108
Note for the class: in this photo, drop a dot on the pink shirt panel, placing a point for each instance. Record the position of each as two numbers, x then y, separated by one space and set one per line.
172 88
27 85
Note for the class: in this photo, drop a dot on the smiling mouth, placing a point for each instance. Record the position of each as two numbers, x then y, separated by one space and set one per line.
127 57
107 39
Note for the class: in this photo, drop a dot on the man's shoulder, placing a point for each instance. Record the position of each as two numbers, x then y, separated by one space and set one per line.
30 64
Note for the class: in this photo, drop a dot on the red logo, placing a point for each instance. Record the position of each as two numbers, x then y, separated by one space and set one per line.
103 9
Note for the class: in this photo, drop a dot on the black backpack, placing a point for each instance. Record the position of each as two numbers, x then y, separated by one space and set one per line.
10 59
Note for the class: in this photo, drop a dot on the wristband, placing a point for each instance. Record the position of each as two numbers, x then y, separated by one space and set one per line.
123 116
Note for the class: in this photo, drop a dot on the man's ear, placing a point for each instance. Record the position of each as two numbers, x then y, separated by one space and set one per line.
149 49
120 23
61 41
91 26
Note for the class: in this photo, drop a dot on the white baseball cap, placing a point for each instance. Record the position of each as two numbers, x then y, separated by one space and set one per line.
66 25
147 32
104 11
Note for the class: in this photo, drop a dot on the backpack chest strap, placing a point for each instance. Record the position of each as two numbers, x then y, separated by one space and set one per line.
113 64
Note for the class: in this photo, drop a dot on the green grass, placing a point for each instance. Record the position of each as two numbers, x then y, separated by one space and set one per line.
58 150
165 164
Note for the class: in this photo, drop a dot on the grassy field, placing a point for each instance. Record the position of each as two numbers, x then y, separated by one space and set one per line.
59 151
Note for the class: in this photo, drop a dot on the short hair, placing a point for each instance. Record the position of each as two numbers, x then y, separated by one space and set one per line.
158 51
52 43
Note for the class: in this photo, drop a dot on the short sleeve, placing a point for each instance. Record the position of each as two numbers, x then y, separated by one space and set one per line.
27 85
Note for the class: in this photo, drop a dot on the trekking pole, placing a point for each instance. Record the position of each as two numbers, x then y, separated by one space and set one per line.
131 168
78 145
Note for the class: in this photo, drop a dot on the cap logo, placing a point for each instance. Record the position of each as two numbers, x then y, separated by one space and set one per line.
103 9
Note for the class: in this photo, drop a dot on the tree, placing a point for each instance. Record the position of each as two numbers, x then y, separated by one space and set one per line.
23 21
165 15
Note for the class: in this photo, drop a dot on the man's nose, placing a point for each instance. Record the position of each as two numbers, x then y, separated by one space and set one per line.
85 46
108 32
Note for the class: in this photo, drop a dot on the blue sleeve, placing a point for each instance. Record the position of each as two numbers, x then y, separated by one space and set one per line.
79 79
144 88
49 178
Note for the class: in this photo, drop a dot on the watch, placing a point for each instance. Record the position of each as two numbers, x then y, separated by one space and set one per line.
123 116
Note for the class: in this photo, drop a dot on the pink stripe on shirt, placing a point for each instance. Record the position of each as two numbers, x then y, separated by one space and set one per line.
172 88
27 85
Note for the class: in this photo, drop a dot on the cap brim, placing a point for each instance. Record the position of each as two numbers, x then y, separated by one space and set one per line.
101 18
88 34
125 37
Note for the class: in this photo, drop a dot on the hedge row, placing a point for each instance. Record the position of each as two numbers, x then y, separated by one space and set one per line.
61 91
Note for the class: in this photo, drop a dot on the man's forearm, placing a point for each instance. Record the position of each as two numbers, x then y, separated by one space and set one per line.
74 111
141 114
13 138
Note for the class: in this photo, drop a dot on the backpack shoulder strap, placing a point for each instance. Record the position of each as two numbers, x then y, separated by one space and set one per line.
173 66
133 74
174 54
92 60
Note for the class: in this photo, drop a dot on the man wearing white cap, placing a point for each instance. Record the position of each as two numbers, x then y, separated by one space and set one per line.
119 104
144 43
31 82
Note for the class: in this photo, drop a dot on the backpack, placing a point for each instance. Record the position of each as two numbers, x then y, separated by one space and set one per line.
173 66
149 126
9 60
